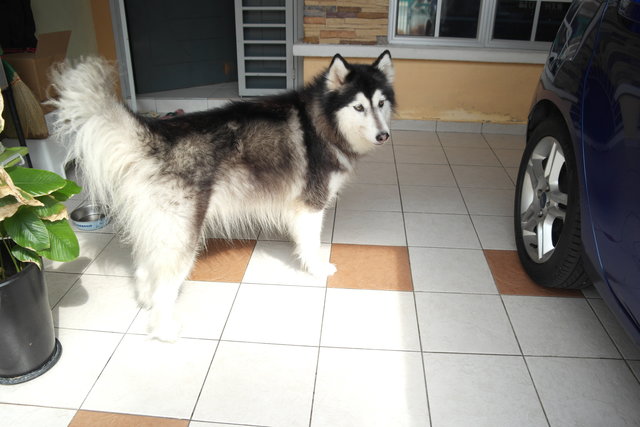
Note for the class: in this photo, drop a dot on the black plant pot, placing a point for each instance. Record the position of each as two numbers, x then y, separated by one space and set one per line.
28 346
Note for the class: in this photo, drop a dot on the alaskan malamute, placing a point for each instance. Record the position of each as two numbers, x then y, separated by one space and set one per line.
274 162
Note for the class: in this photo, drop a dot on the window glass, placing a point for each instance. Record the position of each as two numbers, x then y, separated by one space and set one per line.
514 20
416 17
459 18
551 15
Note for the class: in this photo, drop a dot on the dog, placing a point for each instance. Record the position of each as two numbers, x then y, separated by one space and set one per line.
274 162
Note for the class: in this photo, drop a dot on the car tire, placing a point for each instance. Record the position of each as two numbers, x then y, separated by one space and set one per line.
547 210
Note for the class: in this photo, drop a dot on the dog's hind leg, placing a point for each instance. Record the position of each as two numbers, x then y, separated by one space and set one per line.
305 230
168 267
164 246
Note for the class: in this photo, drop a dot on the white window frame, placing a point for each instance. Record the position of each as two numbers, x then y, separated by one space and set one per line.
486 20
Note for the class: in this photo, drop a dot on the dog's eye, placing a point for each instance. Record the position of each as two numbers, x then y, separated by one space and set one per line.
381 103
359 108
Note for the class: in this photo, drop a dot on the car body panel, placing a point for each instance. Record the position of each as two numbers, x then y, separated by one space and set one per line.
611 156
591 82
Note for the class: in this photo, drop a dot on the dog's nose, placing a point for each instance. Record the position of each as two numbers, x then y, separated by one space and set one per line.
382 137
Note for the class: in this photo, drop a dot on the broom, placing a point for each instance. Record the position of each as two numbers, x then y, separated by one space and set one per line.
31 116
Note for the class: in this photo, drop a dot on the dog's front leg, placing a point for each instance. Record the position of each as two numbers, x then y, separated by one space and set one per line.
306 229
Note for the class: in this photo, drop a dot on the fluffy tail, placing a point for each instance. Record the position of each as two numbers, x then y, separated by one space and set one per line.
101 134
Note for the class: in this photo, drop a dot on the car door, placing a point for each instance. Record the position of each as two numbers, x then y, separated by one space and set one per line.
611 152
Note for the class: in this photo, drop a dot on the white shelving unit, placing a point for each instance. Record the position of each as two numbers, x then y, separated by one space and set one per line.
264 35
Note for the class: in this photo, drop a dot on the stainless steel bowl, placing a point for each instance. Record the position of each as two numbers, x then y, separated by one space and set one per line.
89 217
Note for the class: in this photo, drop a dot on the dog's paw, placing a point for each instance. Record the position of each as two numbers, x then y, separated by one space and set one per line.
166 331
322 269
144 301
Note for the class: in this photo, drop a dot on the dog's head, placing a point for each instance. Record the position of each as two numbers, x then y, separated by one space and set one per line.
362 100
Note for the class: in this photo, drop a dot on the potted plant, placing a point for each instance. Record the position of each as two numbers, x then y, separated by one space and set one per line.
33 224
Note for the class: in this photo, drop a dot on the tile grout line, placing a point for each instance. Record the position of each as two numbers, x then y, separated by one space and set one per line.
615 344
206 375
524 359
413 293
315 377
122 334
464 201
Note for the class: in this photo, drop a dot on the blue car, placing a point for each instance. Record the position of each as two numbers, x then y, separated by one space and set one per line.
577 204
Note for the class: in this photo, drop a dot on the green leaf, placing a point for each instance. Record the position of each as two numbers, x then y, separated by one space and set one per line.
37 182
27 230
67 191
8 200
64 243
26 255
51 207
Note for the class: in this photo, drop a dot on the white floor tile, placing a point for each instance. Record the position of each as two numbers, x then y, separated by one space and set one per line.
275 263
202 310
35 416
489 201
412 137
451 270
84 355
420 154
206 424
505 141
627 347
586 392
188 105
513 174
115 260
58 284
283 236
489 129
369 228
471 156
591 292
548 326
495 232
383 154
438 230
276 314
383 320
481 177
160 379
146 104
509 158
358 388
462 323
635 367
99 303
370 197
375 173
481 390
462 139
91 244
420 198
259 384
432 175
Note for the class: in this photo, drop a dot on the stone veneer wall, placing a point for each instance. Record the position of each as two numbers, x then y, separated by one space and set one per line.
346 22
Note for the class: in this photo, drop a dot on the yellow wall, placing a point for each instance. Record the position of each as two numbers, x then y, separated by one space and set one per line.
455 90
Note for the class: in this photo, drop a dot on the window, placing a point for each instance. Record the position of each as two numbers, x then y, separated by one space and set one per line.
489 23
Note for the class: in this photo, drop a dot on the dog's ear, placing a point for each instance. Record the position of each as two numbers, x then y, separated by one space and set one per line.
338 72
384 64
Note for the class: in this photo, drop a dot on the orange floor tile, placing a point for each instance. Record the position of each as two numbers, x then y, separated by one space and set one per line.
371 267
223 261
511 279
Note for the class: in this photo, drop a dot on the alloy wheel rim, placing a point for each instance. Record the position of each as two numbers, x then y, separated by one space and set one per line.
543 199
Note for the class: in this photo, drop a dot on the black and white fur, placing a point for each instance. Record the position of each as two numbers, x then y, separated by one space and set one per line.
275 162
